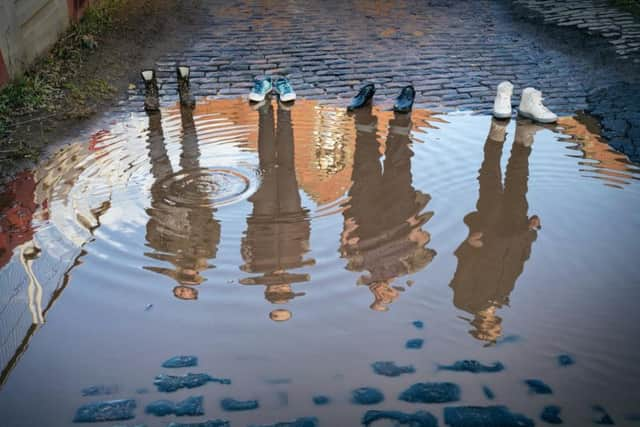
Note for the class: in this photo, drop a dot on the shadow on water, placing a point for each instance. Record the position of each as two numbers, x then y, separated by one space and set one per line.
199 208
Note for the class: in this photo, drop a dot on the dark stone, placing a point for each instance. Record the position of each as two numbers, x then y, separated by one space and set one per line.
390 369
551 414
111 410
97 390
415 343
169 383
472 366
229 404
418 419
321 400
366 396
210 423
538 387
299 422
484 416
488 392
191 406
418 324
181 362
565 360
431 393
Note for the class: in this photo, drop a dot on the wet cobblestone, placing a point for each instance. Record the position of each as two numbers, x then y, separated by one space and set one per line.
454 53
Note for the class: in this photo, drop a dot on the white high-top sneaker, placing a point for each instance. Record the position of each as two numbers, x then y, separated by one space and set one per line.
531 107
502 103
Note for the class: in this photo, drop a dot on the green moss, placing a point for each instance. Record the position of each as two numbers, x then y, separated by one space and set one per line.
52 84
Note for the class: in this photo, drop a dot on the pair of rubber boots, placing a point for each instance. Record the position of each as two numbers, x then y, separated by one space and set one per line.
151 92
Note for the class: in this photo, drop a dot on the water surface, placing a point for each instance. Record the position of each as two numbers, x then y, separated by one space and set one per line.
290 248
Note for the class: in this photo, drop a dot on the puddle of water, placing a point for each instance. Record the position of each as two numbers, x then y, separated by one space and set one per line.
290 249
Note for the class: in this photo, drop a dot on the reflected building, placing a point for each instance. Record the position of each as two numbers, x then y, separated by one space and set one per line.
278 229
383 234
501 233
181 228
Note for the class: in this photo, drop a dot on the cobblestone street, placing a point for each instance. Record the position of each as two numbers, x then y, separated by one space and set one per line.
454 53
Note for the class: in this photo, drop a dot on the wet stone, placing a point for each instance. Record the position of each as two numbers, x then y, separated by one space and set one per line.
414 344
484 416
321 400
419 324
99 390
191 406
209 423
565 360
488 392
230 404
366 396
170 383
390 369
181 362
298 422
111 410
602 416
551 414
431 393
472 366
417 419
538 387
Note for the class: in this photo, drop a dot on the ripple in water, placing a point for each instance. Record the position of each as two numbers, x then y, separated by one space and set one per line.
498 236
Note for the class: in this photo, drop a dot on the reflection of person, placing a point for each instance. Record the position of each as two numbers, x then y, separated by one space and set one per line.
383 232
492 258
184 234
277 235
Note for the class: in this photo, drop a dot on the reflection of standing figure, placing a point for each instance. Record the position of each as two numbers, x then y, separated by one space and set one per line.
277 235
383 223
492 258
184 234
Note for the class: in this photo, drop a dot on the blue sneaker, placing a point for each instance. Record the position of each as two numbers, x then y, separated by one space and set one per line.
260 89
284 89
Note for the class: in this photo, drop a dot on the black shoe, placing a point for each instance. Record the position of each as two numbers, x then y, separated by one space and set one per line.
404 102
363 97
151 101
186 99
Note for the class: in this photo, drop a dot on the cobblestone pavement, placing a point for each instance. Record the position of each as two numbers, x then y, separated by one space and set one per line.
453 52
594 17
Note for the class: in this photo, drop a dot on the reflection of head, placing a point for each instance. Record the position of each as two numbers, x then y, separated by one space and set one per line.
487 325
185 292
279 294
280 315
383 295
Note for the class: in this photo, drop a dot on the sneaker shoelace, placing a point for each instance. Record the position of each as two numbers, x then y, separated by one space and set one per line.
258 86
284 87
539 103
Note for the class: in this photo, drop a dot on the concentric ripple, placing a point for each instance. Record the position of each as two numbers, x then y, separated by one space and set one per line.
204 187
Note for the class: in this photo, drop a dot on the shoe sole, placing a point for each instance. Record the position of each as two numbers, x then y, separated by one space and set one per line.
530 116
288 98
501 116
256 97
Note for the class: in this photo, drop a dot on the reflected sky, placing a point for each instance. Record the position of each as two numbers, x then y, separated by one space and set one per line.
339 229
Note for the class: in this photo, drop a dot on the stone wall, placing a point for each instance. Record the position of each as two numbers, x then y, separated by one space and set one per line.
28 28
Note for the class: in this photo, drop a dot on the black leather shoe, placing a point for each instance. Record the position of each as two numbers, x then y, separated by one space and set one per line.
363 97
404 102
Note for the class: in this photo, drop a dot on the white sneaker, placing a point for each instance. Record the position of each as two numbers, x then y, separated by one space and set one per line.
531 107
502 103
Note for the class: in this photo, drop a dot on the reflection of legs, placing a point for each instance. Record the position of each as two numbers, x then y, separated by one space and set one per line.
190 157
160 164
265 199
288 196
400 196
490 182
515 193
